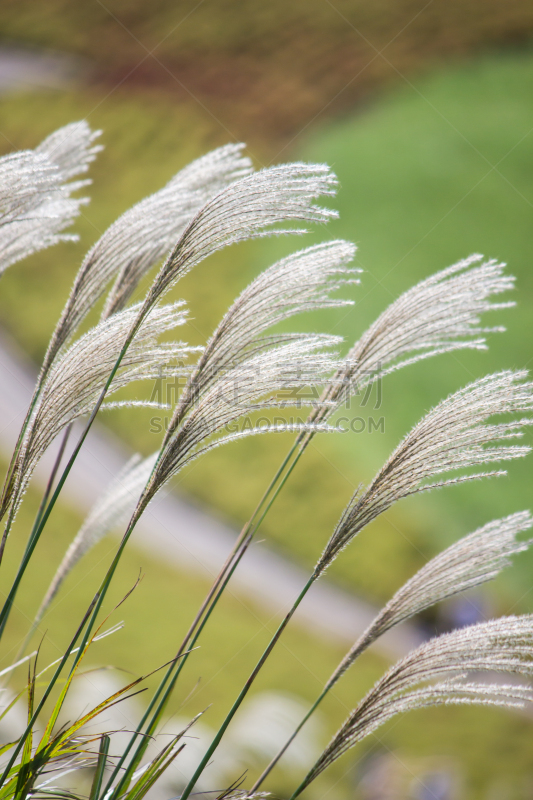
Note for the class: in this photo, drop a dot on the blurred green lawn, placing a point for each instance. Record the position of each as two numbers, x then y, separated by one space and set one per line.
428 175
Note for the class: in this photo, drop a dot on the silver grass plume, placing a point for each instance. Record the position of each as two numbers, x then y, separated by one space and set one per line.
35 197
248 209
501 645
112 509
453 436
241 371
438 315
171 209
77 378
303 281
26 181
71 148
473 560
135 242
264 381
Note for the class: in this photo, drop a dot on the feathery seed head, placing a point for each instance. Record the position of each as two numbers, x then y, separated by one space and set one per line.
165 215
248 209
501 645
76 379
242 795
133 244
35 200
264 381
438 315
303 281
243 371
455 435
71 148
473 560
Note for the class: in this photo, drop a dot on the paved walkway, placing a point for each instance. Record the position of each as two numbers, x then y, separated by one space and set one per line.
188 537
26 68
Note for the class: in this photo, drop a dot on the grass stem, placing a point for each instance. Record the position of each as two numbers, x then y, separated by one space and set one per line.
244 691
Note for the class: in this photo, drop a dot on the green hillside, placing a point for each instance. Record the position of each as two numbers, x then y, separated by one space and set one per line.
428 176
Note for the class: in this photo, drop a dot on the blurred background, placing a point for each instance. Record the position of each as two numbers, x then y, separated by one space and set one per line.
425 112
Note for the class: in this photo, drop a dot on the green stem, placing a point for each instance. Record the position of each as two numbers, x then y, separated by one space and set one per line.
42 505
214 594
104 586
301 787
281 485
100 767
45 696
289 741
178 666
359 648
43 519
198 623
54 472
244 691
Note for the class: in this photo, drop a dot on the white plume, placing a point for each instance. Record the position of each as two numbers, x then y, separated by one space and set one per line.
438 315
303 281
473 560
501 645
264 381
77 378
248 209
142 236
453 436
35 199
